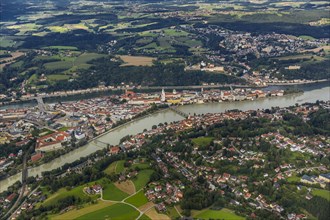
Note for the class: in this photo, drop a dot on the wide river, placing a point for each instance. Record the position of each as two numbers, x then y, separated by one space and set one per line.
312 93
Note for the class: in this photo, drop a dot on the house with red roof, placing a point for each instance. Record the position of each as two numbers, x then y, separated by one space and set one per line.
114 150
37 156
10 198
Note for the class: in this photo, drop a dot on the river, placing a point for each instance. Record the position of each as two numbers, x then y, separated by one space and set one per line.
312 93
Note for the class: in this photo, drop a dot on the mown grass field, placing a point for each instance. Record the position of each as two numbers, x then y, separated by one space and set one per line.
172 213
111 168
5 42
144 217
225 214
59 65
136 60
120 166
115 167
293 178
202 141
141 166
114 212
75 213
138 199
142 179
111 192
62 193
322 193
66 63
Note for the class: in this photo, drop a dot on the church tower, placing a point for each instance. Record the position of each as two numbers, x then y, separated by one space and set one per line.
163 97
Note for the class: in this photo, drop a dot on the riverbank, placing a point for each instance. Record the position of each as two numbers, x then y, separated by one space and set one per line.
298 83
139 116
97 92
114 128
50 98
126 123
311 94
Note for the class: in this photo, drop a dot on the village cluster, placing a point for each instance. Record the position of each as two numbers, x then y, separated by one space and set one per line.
238 184
167 193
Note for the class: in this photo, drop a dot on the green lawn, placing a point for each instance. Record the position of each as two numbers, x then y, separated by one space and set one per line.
120 166
174 33
57 77
144 217
322 193
171 211
17 64
85 57
138 199
116 211
141 166
62 193
111 192
202 141
64 129
293 178
5 42
224 214
142 179
59 65
69 62
111 168
33 78
75 213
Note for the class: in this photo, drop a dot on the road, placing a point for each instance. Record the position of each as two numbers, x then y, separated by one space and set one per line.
22 191
24 201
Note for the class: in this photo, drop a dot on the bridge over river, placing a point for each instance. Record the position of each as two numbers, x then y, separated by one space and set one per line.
311 94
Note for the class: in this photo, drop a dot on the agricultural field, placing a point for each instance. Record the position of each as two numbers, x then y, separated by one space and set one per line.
62 193
153 214
224 214
111 168
111 192
56 66
138 199
75 213
172 213
9 60
25 28
136 60
7 42
141 166
126 186
142 178
70 62
120 166
116 211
